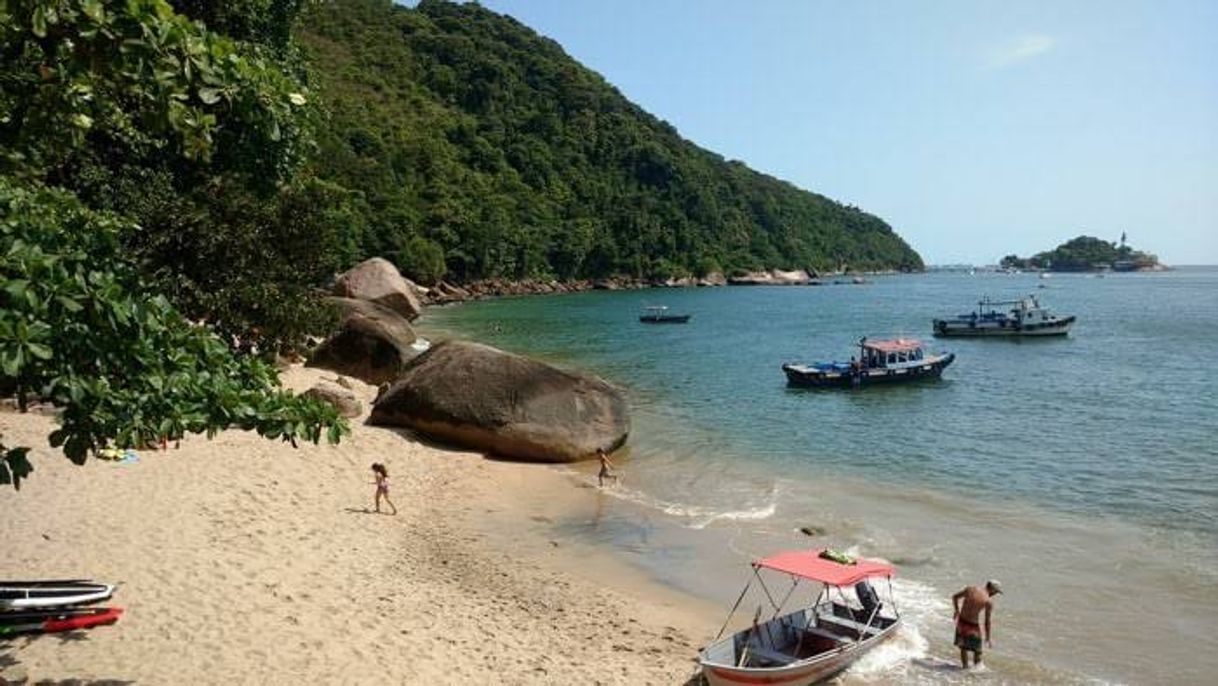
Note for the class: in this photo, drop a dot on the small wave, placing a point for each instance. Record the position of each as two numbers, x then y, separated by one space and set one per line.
918 603
704 517
698 516
893 657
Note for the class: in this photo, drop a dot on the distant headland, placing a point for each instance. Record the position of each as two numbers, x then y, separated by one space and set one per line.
1087 254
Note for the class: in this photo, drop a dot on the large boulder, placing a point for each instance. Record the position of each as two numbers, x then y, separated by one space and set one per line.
377 280
373 343
477 396
342 398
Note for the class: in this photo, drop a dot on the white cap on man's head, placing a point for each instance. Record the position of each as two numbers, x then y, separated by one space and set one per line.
994 587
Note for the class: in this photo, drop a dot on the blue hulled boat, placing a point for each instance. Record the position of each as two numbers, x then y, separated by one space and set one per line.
880 361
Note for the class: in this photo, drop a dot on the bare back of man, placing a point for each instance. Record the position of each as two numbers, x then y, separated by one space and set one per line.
968 606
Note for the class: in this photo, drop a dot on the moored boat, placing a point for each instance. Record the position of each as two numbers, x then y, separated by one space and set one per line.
895 360
659 314
846 619
1023 317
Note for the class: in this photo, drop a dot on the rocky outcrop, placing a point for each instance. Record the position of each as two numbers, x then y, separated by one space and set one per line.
479 397
343 399
373 343
377 280
776 277
712 279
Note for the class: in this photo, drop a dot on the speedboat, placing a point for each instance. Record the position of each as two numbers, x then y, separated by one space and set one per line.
659 314
1023 317
880 361
846 619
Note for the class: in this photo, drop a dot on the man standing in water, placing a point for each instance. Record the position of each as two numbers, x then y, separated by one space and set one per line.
968 628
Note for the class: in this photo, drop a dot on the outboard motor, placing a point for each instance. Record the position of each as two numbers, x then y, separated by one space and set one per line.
869 599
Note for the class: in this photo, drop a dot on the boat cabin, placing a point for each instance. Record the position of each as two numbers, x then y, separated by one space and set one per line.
897 353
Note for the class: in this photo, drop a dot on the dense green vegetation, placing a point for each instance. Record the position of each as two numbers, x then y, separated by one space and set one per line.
1084 253
132 140
173 189
481 149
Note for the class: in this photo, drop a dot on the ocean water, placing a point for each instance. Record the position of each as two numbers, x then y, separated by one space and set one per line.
1081 471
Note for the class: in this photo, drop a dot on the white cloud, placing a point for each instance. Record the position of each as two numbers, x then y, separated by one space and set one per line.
1020 49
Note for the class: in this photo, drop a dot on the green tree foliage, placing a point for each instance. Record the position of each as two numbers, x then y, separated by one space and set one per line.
195 137
465 128
134 81
77 331
138 113
1083 253
257 21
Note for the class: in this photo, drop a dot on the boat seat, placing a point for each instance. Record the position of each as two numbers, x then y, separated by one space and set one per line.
861 628
817 631
770 655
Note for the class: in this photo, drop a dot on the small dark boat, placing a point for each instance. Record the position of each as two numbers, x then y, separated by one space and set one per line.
658 314
880 361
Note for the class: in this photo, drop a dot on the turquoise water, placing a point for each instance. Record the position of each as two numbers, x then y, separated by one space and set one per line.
1101 445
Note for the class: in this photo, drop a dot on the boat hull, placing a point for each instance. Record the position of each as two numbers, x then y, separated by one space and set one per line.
811 671
811 377
49 621
947 328
19 595
665 319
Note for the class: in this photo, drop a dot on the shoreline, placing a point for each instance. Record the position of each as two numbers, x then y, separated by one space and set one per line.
943 541
243 559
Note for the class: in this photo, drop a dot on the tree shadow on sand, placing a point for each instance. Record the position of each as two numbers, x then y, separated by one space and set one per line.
11 671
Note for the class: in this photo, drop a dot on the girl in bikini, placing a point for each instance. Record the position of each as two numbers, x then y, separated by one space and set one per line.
382 486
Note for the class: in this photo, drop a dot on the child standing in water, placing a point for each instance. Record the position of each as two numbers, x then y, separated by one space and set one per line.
382 486
606 467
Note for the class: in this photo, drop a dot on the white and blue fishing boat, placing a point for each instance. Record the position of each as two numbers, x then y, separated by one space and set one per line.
887 361
1023 317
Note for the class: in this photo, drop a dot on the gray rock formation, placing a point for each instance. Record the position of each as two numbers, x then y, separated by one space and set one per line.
479 397
377 280
372 343
776 277
341 398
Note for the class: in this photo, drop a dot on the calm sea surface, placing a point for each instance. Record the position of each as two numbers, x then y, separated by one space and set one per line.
1082 472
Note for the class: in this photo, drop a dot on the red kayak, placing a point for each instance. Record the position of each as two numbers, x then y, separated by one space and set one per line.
52 621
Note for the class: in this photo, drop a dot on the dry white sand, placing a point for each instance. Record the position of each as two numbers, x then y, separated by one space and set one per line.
244 560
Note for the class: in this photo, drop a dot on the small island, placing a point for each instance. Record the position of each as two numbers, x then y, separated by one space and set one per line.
1087 254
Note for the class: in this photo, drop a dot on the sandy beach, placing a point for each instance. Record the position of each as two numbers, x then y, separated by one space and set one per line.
245 560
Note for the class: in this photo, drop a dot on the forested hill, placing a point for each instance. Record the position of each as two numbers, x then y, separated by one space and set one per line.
482 149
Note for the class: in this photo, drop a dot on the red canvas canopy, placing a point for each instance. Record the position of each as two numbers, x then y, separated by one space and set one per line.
809 565
895 345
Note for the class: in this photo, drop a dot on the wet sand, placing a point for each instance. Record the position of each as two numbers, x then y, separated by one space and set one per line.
245 560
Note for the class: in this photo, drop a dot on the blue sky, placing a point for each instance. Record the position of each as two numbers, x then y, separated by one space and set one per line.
975 128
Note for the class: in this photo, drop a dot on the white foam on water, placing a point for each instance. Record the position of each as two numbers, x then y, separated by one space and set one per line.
703 517
892 661
697 516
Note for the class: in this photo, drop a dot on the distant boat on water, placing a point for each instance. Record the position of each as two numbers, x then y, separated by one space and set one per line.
659 314
880 361
1023 317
